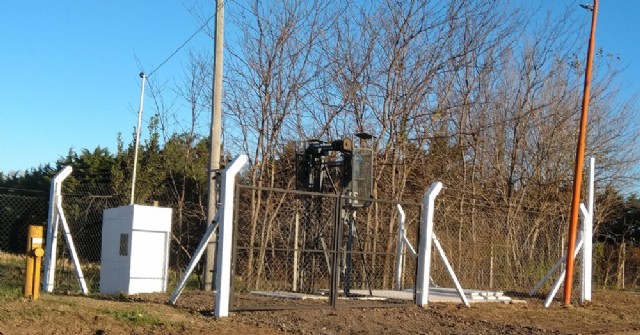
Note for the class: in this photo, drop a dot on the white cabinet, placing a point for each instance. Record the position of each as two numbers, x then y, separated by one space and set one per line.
135 249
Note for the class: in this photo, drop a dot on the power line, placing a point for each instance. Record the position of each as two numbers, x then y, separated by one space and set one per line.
181 46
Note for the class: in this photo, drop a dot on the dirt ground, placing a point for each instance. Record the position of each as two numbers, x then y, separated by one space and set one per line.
610 313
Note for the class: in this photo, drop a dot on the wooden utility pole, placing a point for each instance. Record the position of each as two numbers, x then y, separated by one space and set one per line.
216 129
577 179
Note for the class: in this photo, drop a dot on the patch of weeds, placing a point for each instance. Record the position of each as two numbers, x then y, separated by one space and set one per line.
193 282
94 285
136 317
9 292
11 277
11 258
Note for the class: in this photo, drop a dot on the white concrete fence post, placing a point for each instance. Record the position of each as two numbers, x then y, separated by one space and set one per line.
225 237
224 220
50 255
56 216
424 248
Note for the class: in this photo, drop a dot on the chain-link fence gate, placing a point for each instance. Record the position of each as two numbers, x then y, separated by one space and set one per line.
299 249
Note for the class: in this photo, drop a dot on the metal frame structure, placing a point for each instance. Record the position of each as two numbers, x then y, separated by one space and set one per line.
354 168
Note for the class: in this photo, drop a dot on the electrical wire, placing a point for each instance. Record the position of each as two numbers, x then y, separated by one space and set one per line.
181 46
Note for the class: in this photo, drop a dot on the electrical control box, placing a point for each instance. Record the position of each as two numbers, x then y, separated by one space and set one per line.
135 249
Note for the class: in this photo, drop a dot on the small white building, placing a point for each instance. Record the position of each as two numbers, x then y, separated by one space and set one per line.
135 249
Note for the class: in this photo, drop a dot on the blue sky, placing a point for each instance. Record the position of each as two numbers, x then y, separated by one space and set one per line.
69 74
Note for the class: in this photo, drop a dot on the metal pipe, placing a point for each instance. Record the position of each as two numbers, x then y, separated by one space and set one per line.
137 143
33 261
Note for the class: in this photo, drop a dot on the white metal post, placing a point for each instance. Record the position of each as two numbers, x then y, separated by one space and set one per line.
225 238
296 251
400 247
50 255
424 249
137 142
587 236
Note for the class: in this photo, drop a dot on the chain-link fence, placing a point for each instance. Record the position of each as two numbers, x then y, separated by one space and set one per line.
497 244
492 244
17 212
83 206
84 209
292 248
617 265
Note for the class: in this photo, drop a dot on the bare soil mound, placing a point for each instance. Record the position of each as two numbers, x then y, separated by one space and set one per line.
611 313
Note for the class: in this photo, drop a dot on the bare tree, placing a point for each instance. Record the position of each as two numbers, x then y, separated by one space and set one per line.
269 84
474 93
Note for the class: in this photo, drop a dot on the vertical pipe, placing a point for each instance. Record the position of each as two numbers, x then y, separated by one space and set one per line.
137 142
577 181
337 242
32 264
234 245
349 251
51 245
296 251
